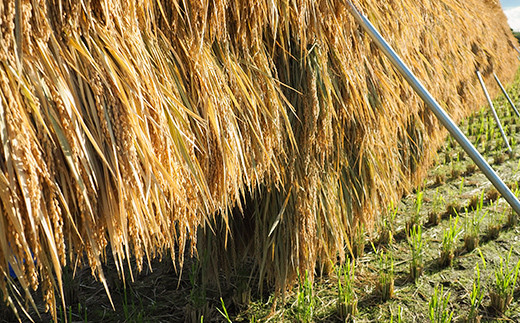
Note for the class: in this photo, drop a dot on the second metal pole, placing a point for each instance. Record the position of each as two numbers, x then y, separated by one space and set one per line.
435 108
507 95
495 115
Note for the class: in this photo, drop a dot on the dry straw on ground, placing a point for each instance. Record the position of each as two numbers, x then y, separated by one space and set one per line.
132 127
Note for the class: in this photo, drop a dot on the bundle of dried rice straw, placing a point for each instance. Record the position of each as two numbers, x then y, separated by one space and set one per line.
129 126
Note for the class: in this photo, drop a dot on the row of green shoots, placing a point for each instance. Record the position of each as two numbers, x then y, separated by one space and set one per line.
500 291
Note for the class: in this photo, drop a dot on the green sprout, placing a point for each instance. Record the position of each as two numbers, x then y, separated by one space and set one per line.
438 307
448 243
386 274
472 228
495 222
399 318
416 216
386 232
475 297
434 216
347 300
305 301
416 245
501 293
224 311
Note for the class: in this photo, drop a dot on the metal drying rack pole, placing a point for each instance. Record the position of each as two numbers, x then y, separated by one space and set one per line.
506 95
495 115
435 108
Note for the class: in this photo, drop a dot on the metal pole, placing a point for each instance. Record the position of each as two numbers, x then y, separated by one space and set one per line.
495 115
507 95
435 108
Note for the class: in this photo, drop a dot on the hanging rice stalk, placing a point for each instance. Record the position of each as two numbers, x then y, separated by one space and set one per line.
273 127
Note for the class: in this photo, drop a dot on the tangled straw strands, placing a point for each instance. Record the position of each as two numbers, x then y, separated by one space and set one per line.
135 127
